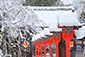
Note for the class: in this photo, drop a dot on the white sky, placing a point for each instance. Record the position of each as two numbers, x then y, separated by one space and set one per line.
67 1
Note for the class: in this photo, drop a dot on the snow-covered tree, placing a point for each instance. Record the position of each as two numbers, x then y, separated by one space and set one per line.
80 7
82 16
18 22
41 2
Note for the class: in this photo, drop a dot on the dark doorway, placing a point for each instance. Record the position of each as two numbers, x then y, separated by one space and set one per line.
62 48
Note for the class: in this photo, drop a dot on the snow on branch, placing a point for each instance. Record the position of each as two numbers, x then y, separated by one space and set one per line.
15 18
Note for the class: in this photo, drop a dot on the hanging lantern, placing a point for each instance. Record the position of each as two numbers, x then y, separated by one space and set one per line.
25 44
83 42
71 44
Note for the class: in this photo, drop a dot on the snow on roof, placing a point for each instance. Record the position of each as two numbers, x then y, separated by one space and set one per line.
63 16
54 27
47 31
83 27
69 20
51 8
47 16
35 37
53 16
42 33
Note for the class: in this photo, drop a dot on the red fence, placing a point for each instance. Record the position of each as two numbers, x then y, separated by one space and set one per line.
56 38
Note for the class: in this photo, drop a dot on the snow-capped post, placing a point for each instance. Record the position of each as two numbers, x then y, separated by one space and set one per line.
48 39
56 39
69 23
43 42
56 36
37 44
67 36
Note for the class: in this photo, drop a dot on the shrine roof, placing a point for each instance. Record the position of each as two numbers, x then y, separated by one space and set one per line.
52 16
63 16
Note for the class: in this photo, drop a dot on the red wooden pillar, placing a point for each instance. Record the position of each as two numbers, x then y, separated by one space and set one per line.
35 51
41 50
49 41
67 49
44 50
50 44
57 39
36 48
67 37
57 54
45 43
50 50
38 51
41 46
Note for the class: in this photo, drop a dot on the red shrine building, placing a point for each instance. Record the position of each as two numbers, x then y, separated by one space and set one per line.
57 38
